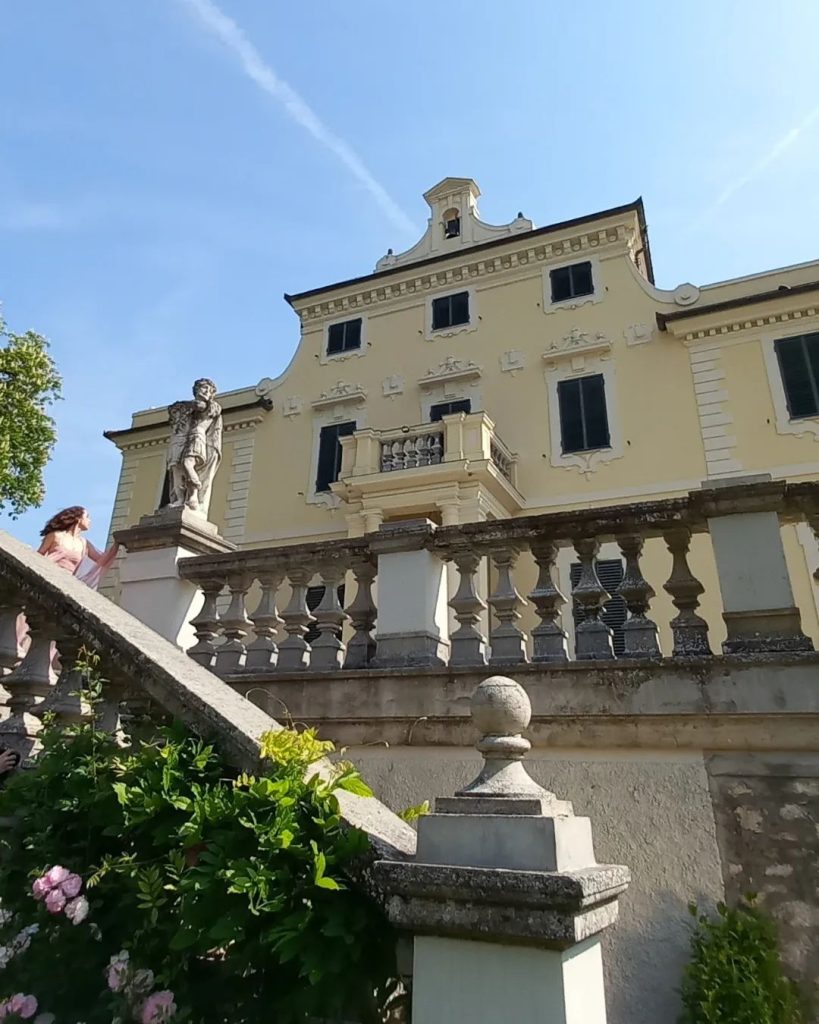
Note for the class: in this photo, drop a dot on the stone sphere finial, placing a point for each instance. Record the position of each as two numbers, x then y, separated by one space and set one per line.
501 710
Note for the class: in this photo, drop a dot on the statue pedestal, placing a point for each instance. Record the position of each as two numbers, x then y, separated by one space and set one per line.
151 588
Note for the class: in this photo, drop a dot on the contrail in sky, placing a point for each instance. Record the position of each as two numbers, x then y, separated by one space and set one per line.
254 66
773 154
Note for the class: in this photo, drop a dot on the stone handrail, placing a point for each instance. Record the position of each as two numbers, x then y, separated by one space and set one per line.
411 447
134 657
222 638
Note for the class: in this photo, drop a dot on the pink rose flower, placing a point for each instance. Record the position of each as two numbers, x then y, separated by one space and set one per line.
40 888
55 876
76 910
118 971
71 886
24 1006
158 1008
143 980
55 901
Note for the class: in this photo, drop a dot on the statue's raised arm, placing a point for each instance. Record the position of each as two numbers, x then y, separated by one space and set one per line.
195 447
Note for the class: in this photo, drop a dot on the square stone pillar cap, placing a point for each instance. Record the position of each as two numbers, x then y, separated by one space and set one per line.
408 535
174 528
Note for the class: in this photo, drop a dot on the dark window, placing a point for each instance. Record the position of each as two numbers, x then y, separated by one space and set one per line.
450 310
570 282
584 424
314 597
799 366
343 337
452 227
437 412
615 612
329 457
166 490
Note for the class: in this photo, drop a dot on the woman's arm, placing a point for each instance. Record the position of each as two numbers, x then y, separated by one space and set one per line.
99 556
49 541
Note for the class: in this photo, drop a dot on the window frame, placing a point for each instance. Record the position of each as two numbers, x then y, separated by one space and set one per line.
569 268
811 375
589 461
562 386
325 356
551 306
344 324
433 333
321 434
450 402
785 424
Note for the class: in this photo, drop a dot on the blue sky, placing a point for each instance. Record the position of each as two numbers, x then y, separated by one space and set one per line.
168 168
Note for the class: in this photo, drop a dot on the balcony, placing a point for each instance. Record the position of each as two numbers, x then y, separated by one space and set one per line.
456 470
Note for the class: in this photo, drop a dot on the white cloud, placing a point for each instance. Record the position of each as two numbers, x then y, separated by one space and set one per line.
255 67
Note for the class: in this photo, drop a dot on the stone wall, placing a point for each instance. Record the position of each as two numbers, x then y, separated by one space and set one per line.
767 825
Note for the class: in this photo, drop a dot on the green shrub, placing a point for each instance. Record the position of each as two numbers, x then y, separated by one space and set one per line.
735 975
226 893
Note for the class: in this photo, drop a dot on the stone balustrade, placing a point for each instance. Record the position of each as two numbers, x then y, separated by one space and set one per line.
458 438
405 563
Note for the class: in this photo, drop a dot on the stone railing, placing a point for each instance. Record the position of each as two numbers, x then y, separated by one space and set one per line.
66 617
414 446
468 438
407 563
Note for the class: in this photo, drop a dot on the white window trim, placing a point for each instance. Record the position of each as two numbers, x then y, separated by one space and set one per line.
450 332
339 357
784 424
344 412
577 301
584 366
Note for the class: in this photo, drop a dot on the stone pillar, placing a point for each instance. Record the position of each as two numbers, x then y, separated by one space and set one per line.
505 900
151 588
412 596
757 600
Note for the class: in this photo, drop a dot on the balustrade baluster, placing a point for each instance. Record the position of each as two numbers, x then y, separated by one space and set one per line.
206 625
549 639
467 642
437 449
262 652
230 656
294 652
592 635
64 699
28 685
639 632
362 614
328 648
410 454
10 611
507 640
689 629
397 455
422 447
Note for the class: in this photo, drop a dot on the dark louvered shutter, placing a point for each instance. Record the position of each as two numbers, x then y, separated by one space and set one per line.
593 393
437 412
615 612
571 416
799 363
329 457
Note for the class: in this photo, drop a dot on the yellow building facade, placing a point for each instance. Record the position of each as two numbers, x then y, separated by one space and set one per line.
494 371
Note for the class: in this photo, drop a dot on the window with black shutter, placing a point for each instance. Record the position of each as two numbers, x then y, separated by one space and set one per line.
437 412
314 599
584 423
343 337
450 311
329 455
799 365
615 612
571 282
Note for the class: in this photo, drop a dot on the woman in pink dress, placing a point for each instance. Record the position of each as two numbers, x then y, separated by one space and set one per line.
64 544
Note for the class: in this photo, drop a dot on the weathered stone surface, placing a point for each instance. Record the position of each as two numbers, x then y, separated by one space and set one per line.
767 813
533 908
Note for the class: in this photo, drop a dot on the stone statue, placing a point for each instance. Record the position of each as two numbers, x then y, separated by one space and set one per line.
195 448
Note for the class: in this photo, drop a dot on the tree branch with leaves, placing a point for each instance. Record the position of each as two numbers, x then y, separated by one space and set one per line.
29 384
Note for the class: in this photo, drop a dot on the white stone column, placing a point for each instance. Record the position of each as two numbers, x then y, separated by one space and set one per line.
151 589
505 900
757 599
412 624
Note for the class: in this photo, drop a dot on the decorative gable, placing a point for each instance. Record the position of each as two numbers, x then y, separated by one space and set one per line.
453 224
